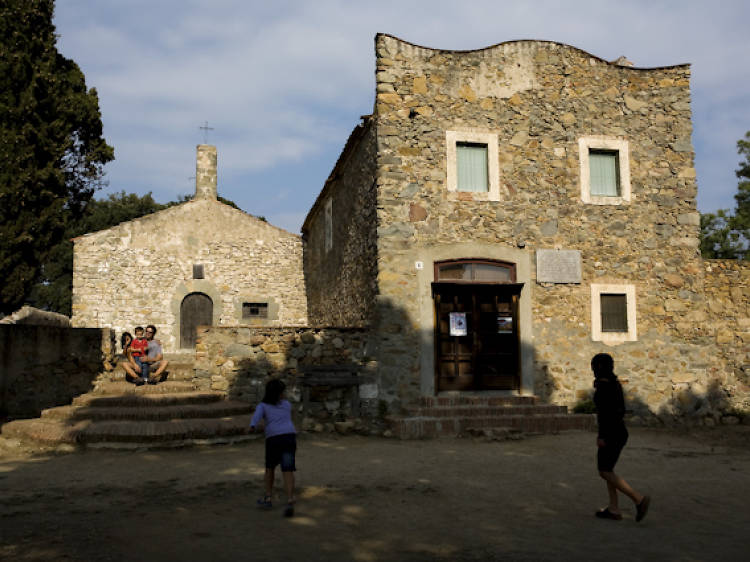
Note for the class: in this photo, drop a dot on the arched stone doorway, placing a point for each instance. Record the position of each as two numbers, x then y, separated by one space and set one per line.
196 310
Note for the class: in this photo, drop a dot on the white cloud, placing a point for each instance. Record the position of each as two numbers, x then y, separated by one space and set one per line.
282 83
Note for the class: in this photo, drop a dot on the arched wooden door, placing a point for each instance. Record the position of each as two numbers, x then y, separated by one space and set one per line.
196 310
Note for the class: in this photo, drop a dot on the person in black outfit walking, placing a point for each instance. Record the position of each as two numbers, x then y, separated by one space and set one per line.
612 436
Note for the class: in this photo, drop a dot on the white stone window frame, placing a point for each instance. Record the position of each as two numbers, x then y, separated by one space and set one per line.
627 289
597 142
452 138
328 224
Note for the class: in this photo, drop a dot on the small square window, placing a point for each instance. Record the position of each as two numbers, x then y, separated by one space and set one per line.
255 310
605 173
604 170
614 311
197 271
471 167
613 318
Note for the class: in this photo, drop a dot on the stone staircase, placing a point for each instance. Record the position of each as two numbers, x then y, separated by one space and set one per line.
117 414
456 415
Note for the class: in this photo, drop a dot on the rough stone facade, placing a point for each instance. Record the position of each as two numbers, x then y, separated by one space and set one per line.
539 106
341 273
45 366
139 272
241 360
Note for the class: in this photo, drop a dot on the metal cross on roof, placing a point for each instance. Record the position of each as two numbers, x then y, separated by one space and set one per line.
205 128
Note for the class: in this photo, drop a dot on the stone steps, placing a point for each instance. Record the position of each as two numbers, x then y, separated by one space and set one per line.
145 395
442 416
131 434
118 414
149 412
126 388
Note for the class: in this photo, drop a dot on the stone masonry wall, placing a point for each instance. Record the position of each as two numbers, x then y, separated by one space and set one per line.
46 366
139 272
341 281
241 360
728 293
540 98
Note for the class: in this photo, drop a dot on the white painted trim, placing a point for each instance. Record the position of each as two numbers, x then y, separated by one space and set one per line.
596 313
598 142
493 172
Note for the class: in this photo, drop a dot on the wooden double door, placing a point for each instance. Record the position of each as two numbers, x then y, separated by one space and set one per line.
477 344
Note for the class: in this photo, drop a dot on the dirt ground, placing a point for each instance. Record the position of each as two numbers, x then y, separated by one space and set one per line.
377 499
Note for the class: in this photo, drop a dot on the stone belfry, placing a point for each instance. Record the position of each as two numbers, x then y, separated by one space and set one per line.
205 172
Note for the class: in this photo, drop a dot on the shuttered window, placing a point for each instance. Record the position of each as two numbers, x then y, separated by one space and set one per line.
471 166
614 310
605 176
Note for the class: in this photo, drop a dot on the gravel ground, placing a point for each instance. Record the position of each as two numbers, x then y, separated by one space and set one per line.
381 499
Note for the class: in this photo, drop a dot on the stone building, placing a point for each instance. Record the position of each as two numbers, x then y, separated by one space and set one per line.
198 263
503 215
508 212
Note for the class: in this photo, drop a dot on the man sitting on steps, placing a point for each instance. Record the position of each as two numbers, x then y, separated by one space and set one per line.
154 361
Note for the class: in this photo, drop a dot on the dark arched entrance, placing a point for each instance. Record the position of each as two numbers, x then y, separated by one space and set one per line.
197 309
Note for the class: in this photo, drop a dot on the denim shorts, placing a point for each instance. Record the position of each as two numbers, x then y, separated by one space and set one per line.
280 449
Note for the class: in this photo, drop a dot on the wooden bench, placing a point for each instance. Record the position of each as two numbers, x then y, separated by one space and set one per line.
333 376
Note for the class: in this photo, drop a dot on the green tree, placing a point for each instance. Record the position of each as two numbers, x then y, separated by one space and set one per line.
726 235
51 147
53 290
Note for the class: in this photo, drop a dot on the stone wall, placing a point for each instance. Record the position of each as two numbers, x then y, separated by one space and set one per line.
46 366
340 281
541 99
727 291
241 360
139 272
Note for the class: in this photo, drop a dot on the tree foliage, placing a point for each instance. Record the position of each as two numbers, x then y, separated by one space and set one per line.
724 234
51 145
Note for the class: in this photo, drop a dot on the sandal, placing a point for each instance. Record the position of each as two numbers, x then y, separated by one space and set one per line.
265 502
607 514
642 508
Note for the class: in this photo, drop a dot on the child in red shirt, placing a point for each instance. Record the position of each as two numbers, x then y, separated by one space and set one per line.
137 350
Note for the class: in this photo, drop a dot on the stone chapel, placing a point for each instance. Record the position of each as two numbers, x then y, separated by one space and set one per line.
198 263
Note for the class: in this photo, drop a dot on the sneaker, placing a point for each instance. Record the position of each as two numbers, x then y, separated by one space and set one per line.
264 502
153 381
140 382
289 510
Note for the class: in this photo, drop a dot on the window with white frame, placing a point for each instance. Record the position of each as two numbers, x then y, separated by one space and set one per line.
472 164
613 313
604 170
328 212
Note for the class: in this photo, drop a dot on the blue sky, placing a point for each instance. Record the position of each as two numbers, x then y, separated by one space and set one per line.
283 83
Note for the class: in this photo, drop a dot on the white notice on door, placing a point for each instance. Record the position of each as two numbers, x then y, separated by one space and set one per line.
458 323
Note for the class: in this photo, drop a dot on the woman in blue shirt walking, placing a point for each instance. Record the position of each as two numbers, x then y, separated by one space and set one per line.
281 442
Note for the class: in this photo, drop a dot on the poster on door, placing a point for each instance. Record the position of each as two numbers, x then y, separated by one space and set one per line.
457 323
504 324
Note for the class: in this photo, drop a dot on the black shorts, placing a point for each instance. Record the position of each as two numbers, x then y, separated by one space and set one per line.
280 449
606 457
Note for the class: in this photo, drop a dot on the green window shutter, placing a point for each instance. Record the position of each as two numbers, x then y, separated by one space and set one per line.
471 165
614 309
604 174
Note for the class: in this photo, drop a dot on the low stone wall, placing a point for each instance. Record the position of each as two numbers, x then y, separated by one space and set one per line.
46 366
241 360
727 290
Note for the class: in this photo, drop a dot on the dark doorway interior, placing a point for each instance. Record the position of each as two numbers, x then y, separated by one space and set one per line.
196 310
